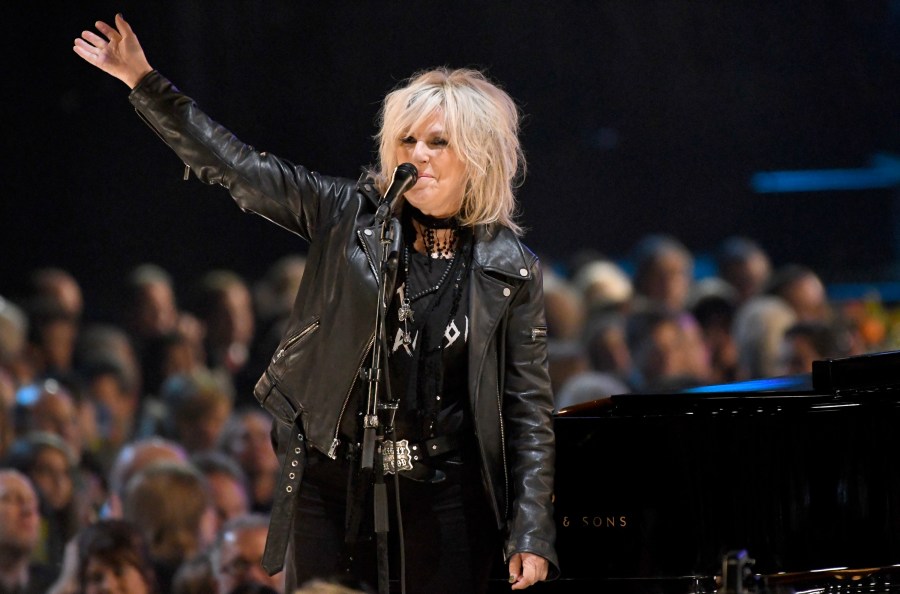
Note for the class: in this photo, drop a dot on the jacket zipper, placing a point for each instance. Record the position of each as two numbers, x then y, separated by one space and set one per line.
501 380
538 331
295 338
335 442
503 454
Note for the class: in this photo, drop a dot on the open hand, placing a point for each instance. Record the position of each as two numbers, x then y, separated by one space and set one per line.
120 54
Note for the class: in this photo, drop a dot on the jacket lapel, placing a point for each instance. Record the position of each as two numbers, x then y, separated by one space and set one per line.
499 265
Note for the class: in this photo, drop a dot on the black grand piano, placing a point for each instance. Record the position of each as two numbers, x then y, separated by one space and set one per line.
784 485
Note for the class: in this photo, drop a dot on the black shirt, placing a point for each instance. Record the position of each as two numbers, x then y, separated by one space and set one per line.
448 413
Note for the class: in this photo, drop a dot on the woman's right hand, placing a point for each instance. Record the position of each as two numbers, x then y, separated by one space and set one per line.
120 54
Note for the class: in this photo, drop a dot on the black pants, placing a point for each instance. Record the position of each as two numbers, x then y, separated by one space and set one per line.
451 544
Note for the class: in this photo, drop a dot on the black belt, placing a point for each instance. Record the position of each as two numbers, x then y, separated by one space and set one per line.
283 503
416 460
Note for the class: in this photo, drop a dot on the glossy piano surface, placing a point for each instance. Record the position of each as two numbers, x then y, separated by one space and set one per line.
654 490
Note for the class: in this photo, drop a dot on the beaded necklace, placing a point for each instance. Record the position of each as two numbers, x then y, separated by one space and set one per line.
427 227
436 249
405 312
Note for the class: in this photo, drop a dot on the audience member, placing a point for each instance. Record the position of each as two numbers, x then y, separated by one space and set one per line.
57 286
14 368
54 305
566 358
805 342
19 537
803 290
224 305
604 286
273 295
195 576
664 271
117 406
151 314
13 341
106 341
150 307
713 303
758 329
52 332
227 482
745 265
606 344
238 551
49 463
247 438
170 503
564 306
170 354
50 406
53 407
114 557
667 354
133 458
197 405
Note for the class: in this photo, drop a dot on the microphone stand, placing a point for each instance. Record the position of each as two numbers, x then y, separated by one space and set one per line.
374 429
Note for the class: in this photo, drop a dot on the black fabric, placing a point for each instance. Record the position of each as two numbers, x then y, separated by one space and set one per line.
430 221
438 330
40 578
451 541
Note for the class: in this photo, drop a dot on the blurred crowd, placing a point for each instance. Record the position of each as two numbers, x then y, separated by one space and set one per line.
652 323
133 457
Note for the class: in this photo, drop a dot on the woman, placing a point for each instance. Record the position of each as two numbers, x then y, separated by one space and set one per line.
171 504
465 337
109 556
50 464
113 557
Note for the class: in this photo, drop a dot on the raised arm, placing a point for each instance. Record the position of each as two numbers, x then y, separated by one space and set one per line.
119 55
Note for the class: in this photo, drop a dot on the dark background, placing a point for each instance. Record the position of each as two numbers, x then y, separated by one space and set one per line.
640 117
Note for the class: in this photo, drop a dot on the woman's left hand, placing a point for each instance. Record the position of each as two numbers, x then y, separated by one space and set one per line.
119 55
526 569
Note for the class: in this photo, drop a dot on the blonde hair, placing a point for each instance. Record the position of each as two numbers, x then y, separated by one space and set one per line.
166 501
481 123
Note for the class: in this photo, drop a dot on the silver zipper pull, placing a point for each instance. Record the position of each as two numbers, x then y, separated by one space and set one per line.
332 451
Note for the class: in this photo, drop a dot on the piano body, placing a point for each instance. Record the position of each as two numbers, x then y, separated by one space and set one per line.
793 482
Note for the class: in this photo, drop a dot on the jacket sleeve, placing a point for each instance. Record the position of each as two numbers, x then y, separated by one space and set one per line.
286 194
528 420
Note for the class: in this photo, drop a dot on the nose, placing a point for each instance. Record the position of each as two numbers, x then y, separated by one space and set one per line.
421 153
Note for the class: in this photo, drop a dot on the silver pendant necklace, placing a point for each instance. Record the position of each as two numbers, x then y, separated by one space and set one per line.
405 313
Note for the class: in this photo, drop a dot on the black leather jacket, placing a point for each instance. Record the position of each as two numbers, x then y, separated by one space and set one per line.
331 330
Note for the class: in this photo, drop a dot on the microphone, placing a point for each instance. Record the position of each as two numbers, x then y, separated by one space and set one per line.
405 177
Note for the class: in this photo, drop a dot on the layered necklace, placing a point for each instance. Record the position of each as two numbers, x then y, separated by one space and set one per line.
439 247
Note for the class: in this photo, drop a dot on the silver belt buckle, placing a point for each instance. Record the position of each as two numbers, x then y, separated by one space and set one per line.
399 462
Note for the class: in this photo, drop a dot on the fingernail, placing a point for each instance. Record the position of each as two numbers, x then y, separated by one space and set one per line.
512 579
